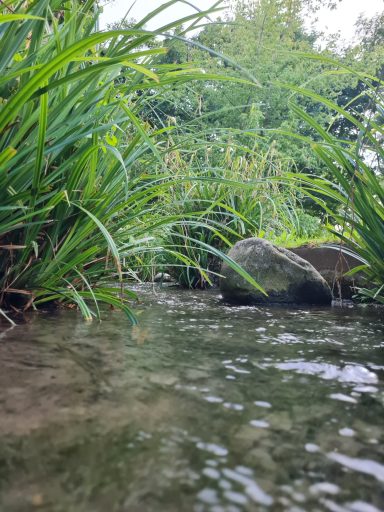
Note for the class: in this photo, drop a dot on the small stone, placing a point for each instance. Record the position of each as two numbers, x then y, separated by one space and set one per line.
263 458
163 380
281 420
194 374
162 277
37 500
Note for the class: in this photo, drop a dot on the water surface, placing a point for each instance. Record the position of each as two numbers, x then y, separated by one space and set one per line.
202 407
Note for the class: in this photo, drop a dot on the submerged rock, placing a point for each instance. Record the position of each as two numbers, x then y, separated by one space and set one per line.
286 277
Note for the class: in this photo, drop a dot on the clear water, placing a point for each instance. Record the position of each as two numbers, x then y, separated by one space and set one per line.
203 407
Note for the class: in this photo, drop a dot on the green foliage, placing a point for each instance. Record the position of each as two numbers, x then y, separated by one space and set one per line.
116 157
268 38
357 188
242 196
81 171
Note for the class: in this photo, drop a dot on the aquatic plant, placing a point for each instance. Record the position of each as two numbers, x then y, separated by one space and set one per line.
353 193
231 195
81 169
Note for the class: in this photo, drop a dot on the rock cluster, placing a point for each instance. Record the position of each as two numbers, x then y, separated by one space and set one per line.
286 277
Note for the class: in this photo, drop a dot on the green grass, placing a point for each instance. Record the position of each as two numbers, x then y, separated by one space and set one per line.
81 171
220 198
353 194
84 176
92 192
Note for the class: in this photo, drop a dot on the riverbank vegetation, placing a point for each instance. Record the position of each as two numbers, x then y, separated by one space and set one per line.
123 153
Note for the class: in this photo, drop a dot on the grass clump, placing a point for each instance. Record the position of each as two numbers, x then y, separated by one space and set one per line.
71 133
353 193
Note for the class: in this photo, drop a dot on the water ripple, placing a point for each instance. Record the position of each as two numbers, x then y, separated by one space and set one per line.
350 373
369 467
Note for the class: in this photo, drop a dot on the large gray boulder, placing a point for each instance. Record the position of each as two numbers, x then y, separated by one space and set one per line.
287 278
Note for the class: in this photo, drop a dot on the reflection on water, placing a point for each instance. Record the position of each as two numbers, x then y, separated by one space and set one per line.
202 407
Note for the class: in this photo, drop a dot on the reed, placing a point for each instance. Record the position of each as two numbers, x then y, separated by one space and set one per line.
353 192
81 170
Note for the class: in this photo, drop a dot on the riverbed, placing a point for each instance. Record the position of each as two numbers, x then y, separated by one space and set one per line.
201 407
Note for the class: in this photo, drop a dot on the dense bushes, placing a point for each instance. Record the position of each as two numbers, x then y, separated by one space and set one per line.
97 183
81 169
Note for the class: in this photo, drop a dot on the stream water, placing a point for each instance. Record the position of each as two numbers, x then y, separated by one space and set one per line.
202 407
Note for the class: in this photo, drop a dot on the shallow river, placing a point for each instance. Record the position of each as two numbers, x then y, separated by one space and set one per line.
202 407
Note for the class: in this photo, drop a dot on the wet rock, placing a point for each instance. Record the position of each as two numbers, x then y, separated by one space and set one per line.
162 277
281 421
163 379
194 374
333 264
286 277
247 436
263 458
